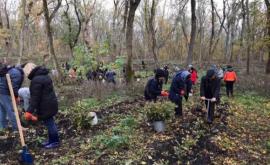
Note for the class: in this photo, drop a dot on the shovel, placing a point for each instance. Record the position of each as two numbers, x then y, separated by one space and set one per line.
26 157
207 112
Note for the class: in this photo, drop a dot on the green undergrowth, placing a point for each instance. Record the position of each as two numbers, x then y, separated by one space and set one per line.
251 101
79 112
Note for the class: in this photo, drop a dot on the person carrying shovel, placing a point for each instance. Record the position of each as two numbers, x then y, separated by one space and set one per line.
209 92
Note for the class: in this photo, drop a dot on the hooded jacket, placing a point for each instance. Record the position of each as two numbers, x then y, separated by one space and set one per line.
180 82
16 76
43 99
210 87
153 87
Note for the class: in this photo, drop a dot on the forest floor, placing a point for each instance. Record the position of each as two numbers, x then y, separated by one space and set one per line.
240 134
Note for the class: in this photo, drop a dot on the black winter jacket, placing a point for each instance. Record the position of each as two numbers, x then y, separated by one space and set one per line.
153 89
210 88
43 99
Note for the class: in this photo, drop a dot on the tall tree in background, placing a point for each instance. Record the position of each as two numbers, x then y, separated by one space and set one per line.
248 35
48 20
133 5
193 32
212 29
73 34
267 2
150 15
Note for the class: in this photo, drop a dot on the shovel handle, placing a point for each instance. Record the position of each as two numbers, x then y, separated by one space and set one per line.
15 109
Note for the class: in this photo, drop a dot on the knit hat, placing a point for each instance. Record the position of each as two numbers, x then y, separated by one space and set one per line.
159 73
185 75
28 68
210 73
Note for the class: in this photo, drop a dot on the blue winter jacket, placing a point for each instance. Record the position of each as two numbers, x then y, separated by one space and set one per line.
16 76
181 81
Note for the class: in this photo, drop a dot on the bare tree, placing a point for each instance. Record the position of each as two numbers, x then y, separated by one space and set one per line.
212 29
48 20
23 6
150 15
133 4
72 40
193 32
267 2
248 35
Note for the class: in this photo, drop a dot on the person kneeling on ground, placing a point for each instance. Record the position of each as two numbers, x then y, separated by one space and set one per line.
44 103
210 92
181 86
153 87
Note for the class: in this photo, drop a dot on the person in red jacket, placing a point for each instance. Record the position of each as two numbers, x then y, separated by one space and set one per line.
230 78
194 74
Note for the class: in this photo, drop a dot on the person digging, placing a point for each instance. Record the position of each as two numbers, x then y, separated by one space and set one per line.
209 92
43 103
153 88
181 86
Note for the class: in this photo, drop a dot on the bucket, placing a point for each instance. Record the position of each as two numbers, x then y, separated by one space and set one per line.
159 126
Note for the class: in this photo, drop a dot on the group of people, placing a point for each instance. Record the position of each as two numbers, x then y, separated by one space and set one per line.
40 101
182 87
100 74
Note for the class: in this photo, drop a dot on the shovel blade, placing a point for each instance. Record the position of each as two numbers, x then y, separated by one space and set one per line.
26 157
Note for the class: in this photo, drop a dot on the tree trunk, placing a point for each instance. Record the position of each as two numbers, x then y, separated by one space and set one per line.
241 53
212 30
248 36
48 19
193 32
267 69
21 42
129 38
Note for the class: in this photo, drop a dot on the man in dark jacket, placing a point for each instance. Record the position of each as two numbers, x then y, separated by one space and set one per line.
166 71
153 87
181 86
6 109
44 103
210 92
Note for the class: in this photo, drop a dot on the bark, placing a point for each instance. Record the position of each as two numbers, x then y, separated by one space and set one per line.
8 39
248 36
129 38
21 42
125 16
212 29
193 32
150 28
48 19
267 69
73 41
241 53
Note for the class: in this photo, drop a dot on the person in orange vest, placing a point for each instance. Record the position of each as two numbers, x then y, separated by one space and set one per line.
230 78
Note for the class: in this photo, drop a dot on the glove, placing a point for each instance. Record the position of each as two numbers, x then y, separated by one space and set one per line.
29 117
164 93
213 99
203 98
182 92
